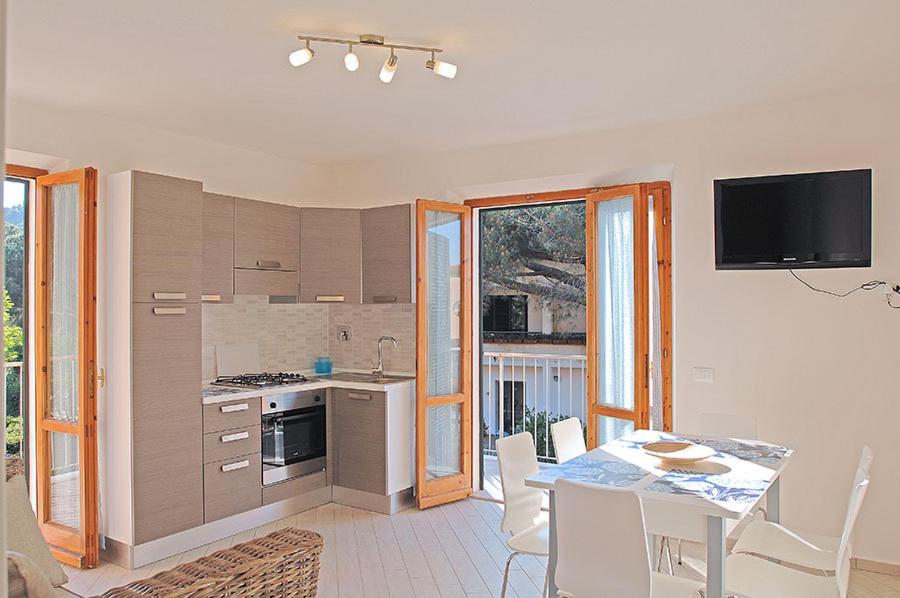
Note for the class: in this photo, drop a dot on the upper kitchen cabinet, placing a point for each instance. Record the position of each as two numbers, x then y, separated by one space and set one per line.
330 255
166 232
266 248
218 248
266 236
386 255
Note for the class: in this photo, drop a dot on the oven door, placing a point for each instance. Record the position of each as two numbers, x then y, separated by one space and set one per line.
293 443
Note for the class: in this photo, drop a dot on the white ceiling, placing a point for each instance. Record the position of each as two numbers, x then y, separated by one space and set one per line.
218 69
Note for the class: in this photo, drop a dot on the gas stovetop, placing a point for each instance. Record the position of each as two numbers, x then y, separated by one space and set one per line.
264 380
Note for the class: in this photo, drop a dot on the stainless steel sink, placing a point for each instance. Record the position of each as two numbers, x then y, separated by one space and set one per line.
368 378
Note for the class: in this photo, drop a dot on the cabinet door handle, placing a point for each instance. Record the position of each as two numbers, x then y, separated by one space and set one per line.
358 396
269 264
211 298
236 436
330 298
234 466
169 311
385 298
234 408
170 296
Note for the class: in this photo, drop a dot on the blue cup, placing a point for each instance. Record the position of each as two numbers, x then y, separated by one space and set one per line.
323 366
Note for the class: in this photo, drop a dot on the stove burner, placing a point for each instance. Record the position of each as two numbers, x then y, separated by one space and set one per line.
263 380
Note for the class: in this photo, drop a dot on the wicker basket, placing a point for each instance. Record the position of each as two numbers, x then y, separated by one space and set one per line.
284 563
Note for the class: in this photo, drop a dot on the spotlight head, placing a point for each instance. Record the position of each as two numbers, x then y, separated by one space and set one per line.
389 68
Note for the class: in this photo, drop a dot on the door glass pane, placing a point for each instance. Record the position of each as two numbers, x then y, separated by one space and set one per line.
62 275
656 387
610 428
442 267
65 480
615 302
443 447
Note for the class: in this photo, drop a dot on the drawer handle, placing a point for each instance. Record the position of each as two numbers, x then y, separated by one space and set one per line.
211 298
170 296
234 408
236 436
169 311
234 466
385 298
268 264
357 396
330 298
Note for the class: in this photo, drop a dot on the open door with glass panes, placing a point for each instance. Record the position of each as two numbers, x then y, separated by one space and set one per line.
629 373
443 352
65 364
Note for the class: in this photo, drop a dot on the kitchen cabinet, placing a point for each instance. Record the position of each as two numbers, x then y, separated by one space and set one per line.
359 429
330 259
166 420
217 282
265 282
386 254
166 232
266 236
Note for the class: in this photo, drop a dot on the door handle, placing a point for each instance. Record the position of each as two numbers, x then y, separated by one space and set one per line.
236 436
357 396
385 298
268 264
211 298
170 296
169 311
330 298
235 466
234 408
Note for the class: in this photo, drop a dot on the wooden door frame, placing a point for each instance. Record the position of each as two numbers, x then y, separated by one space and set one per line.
450 488
78 548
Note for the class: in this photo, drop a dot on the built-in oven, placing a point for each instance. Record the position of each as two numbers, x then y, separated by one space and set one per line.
293 435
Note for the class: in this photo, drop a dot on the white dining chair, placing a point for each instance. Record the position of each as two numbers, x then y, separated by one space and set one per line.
568 439
750 575
813 551
602 546
530 532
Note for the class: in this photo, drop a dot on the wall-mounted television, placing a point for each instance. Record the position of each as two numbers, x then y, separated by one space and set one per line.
815 220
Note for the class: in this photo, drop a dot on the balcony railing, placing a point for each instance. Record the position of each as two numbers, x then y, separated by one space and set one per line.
529 392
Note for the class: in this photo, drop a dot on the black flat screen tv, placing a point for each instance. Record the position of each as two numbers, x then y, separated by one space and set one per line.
816 220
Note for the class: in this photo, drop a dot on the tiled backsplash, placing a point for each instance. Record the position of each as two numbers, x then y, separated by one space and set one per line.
291 336
368 322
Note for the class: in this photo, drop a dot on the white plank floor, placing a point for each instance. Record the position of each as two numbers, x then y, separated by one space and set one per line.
455 550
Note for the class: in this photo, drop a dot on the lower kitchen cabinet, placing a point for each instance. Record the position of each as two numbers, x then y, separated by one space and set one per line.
358 425
232 486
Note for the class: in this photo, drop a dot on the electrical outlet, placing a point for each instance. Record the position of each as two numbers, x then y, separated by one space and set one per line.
704 374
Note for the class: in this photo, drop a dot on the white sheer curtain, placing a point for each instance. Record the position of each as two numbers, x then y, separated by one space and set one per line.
615 300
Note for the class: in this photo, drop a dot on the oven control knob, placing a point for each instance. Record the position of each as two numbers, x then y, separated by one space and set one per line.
317 398
273 405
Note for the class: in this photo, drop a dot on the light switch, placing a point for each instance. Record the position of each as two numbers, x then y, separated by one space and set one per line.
704 374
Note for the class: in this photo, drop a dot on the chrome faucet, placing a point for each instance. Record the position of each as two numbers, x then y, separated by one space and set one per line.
379 369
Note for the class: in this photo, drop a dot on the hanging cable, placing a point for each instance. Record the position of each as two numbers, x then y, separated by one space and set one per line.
866 286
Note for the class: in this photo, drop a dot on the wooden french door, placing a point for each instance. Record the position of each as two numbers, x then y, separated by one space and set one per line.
65 365
443 352
628 310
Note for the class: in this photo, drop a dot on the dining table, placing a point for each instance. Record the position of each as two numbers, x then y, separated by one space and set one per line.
699 501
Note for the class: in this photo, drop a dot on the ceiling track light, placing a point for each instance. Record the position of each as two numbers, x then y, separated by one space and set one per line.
351 60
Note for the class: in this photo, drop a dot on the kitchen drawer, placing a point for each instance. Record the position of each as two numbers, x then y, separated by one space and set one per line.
231 443
291 488
266 282
359 424
233 414
232 486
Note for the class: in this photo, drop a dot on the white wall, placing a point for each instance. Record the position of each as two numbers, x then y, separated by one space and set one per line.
819 373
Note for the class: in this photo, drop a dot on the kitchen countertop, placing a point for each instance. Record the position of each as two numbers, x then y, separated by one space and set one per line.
220 394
